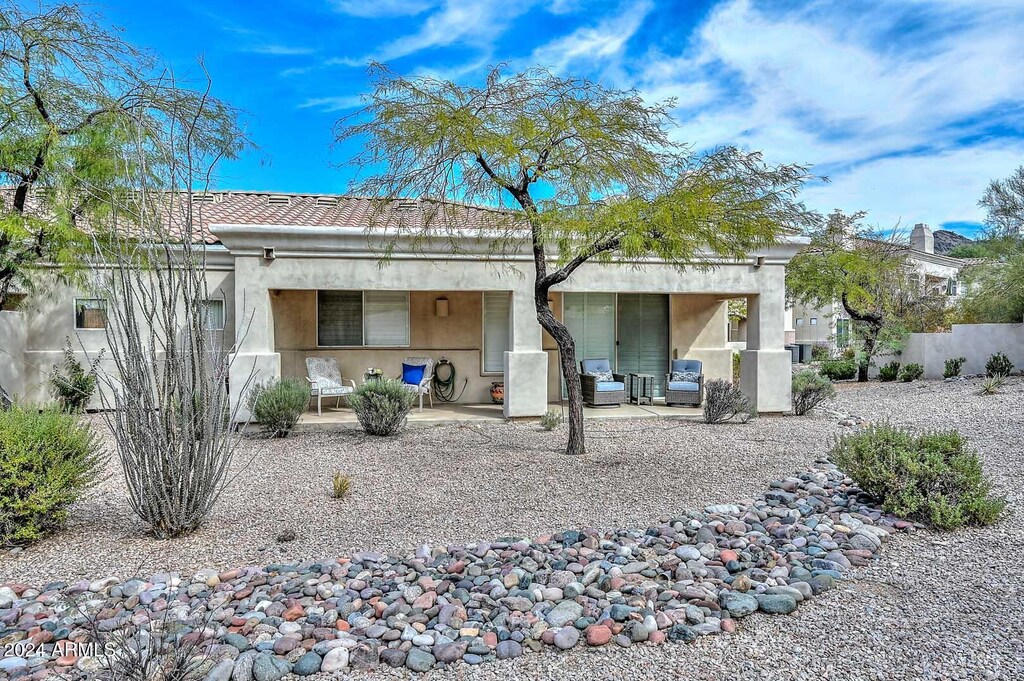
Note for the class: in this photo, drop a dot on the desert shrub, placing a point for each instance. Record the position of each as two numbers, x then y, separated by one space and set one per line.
550 420
992 384
809 390
382 406
911 372
723 401
889 371
278 405
998 365
933 478
838 369
71 384
953 367
819 353
47 459
341 485
736 367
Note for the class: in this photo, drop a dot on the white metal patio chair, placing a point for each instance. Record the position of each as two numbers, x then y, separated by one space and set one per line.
324 376
424 387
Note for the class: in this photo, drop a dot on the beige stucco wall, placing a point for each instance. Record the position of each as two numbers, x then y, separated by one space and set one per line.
976 342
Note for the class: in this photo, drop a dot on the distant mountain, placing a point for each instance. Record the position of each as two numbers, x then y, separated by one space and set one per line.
945 240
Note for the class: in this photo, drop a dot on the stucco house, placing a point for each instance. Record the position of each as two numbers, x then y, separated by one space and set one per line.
298 275
830 325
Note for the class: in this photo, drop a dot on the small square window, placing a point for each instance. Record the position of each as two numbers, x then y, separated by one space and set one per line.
90 313
814 321
799 321
213 312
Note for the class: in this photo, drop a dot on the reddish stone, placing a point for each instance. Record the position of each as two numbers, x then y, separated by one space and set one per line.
490 639
67 660
729 626
229 575
425 601
243 594
456 567
293 613
342 625
656 637
728 554
548 637
598 635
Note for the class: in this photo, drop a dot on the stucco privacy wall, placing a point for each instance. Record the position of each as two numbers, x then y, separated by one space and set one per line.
324 258
50 320
13 335
976 342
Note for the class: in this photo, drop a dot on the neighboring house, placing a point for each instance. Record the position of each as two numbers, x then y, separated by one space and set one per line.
295 275
830 325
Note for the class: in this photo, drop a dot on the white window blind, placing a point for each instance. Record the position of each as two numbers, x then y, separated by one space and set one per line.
496 330
213 311
386 318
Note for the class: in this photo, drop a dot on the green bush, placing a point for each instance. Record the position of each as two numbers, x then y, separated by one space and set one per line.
998 365
723 401
278 405
551 420
809 390
382 406
933 478
47 459
991 385
889 371
953 367
73 386
838 369
911 372
819 353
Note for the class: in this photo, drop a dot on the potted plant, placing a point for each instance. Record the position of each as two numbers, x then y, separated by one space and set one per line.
373 374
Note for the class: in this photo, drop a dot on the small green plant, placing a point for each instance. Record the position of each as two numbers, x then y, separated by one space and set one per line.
998 365
809 390
382 406
838 369
278 405
992 385
819 353
889 371
341 485
934 478
71 384
47 459
953 367
723 401
911 372
551 420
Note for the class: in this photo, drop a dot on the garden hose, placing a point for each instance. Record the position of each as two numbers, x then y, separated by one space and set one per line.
444 388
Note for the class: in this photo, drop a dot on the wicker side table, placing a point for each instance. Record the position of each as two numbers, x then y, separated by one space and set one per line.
641 388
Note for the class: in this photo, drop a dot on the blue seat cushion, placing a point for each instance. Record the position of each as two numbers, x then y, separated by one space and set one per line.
610 386
412 373
682 385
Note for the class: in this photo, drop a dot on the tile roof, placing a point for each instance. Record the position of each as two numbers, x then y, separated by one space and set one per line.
321 210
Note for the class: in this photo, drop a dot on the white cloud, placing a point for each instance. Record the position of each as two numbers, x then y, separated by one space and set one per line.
839 87
276 50
338 103
382 8
590 44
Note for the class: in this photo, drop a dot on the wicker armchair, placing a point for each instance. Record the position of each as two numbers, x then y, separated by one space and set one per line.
601 393
685 393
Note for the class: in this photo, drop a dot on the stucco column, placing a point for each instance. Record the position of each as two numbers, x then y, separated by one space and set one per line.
766 366
526 363
254 359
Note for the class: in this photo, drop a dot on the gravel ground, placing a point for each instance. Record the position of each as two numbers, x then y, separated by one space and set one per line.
936 606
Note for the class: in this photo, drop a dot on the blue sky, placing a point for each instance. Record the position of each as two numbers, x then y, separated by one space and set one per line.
910 107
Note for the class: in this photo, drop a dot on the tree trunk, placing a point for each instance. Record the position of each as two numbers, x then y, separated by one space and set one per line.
567 359
869 353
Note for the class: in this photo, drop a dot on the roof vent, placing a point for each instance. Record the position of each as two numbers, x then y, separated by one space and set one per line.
327 201
204 198
406 204
279 200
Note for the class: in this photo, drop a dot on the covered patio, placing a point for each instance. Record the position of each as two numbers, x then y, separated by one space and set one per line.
343 417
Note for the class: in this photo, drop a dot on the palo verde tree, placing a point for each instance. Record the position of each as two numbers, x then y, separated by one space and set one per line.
70 89
869 275
579 173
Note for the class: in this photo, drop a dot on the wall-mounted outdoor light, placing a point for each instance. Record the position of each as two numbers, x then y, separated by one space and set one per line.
268 253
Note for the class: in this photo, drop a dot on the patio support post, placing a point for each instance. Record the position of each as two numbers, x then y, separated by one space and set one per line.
766 372
526 364
254 359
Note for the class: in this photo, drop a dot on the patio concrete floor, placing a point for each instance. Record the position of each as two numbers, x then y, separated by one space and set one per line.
344 417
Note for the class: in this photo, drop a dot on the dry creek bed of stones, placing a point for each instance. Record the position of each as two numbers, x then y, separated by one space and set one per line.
455 606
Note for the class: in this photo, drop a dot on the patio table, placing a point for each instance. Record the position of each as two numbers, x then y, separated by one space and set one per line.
644 384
